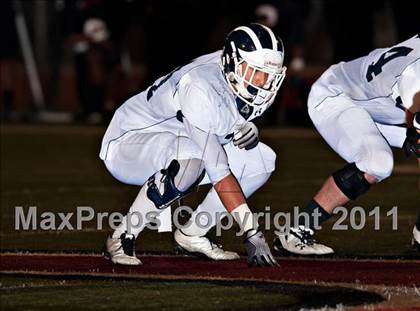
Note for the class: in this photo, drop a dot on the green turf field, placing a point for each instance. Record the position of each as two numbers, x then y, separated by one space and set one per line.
57 168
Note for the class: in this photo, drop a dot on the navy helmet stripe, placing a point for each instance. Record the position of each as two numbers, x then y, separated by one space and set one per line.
243 41
248 39
264 36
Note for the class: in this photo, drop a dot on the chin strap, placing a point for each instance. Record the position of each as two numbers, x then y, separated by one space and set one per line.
244 108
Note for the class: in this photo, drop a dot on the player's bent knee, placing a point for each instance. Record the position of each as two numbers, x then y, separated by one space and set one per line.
351 181
171 179
269 158
380 165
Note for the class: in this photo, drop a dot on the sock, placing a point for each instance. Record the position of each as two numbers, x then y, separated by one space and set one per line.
309 210
139 209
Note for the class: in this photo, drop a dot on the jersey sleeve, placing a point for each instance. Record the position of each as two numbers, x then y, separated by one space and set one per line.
196 106
213 154
409 84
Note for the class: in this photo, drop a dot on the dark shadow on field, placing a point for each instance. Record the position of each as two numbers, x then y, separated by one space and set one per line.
295 296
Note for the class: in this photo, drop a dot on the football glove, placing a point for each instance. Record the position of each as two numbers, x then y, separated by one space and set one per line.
257 249
411 143
246 136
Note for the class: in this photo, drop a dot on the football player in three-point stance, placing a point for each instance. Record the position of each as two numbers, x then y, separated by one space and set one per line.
361 108
193 126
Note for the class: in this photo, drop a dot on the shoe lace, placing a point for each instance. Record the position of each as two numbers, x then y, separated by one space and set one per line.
305 236
128 244
213 244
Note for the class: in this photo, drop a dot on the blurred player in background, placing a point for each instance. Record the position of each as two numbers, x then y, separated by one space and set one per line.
361 108
97 70
194 126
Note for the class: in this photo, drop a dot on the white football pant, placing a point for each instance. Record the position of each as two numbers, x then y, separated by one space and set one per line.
352 129
138 156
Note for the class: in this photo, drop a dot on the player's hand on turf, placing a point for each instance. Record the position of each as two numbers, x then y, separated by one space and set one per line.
258 250
246 136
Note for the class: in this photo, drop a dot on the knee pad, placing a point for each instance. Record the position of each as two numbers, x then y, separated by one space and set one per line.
170 193
351 181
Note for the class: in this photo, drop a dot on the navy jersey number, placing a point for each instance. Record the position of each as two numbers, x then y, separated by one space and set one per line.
153 88
376 68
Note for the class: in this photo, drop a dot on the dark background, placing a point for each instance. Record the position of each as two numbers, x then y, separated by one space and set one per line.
150 38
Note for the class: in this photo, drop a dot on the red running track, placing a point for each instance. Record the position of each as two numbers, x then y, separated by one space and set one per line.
373 272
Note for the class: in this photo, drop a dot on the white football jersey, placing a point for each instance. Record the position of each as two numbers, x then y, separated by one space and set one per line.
383 82
197 91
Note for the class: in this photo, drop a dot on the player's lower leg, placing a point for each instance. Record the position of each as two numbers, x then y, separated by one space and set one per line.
120 247
192 239
343 186
159 192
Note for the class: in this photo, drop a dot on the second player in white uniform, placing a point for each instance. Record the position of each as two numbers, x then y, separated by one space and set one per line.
361 108
191 124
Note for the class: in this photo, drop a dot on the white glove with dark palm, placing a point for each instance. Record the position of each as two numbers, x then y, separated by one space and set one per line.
246 136
258 250
412 141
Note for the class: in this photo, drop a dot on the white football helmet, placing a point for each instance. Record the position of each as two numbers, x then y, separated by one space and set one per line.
253 48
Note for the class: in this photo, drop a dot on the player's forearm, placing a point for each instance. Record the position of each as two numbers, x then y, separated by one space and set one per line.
409 113
230 193
416 104
409 116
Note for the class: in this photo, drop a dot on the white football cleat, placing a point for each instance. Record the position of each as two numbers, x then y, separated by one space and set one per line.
300 241
121 251
197 245
416 238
